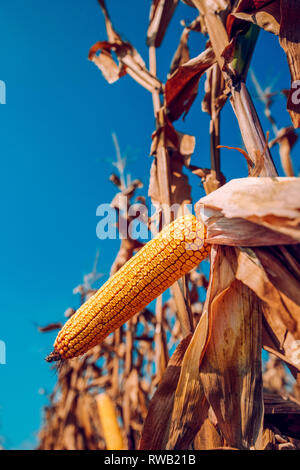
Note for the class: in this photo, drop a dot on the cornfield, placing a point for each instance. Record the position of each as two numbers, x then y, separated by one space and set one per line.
177 365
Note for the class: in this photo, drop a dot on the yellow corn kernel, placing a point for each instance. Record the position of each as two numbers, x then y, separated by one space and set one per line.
127 292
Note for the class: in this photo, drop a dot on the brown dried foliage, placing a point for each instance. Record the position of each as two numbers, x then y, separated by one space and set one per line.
212 391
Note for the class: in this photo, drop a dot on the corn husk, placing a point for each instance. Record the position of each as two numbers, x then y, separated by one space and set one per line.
253 212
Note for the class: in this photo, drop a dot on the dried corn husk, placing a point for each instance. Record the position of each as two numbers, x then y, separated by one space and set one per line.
253 212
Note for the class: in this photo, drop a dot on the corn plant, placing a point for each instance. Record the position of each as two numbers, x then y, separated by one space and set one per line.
189 375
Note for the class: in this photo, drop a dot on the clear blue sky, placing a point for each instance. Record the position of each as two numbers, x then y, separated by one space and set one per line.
56 152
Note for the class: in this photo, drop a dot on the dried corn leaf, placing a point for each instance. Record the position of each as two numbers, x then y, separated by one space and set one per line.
211 182
214 24
157 423
209 178
173 140
211 6
105 62
70 437
190 406
182 86
208 437
161 349
281 312
231 367
180 148
111 33
126 251
82 416
282 269
215 96
272 439
129 59
276 403
243 107
265 14
190 3
268 441
267 17
160 16
253 212
281 18
182 54
282 412
69 312
50 327
286 138
274 375
252 5
129 62
130 398
213 101
289 37
251 130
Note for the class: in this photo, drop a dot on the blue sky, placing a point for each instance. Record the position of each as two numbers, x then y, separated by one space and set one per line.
56 157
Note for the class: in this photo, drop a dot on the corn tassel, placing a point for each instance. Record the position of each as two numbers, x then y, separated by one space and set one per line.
109 423
177 249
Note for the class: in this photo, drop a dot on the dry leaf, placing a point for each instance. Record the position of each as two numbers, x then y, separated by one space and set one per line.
70 437
215 96
211 6
211 182
274 376
267 18
189 3
129 59
281 307
289 37
231 367
156 427
251 130
179 147
190 407
265 14
243 107
282 412
182 54
160 16
281 18
182 86
208 437
104 61
50 327
161 349
214 99
286 138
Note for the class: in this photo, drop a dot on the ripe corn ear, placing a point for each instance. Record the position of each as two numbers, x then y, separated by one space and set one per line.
109 423
177 249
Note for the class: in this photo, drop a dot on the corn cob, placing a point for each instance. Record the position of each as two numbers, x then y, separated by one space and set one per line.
109 423
177 249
